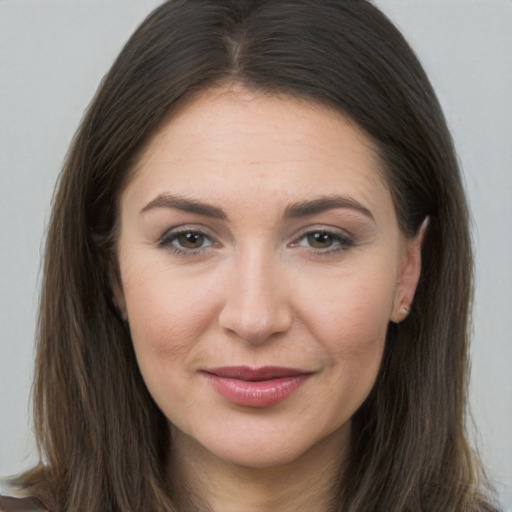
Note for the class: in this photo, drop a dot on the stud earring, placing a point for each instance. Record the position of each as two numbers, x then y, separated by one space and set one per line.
404 310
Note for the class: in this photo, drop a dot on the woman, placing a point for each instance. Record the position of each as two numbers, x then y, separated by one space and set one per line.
258 275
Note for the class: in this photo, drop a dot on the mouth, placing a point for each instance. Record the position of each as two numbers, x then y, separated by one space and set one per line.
255 387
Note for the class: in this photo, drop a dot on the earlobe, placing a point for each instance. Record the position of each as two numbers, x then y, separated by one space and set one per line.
409 276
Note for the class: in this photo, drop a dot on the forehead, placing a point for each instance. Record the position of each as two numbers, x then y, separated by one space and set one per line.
233 141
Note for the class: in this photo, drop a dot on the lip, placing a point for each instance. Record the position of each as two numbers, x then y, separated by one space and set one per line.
255 387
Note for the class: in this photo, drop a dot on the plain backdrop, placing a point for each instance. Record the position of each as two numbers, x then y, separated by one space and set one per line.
53 53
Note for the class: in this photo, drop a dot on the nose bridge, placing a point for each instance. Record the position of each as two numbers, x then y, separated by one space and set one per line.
257 302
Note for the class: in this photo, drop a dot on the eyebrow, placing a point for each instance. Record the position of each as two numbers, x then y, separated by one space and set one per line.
322 204
186 205
296 210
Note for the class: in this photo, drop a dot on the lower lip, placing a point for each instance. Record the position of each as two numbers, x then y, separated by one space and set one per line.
256 393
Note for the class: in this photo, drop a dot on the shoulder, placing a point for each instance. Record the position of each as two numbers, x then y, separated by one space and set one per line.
27 504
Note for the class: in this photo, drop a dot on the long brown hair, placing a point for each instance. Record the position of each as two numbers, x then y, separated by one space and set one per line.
103 442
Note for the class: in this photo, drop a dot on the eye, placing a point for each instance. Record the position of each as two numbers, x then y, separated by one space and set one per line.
319 240
191 240
325 241
185 241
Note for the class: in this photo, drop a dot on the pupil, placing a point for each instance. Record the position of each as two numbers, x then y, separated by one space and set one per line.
320 240
191 240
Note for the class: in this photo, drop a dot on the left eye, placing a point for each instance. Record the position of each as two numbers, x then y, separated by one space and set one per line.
324 240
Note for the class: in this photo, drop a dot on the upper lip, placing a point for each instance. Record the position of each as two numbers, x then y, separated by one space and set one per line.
248 373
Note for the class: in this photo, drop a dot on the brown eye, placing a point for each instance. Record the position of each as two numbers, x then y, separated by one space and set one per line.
326 242
190 240
185 242
321 240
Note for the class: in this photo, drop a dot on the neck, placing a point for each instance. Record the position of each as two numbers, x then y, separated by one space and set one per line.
309 483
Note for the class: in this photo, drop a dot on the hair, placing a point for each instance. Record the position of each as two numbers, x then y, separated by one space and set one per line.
103 442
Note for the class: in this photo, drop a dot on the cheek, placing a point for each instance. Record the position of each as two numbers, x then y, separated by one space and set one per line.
166 320
349 318
353 308
166 314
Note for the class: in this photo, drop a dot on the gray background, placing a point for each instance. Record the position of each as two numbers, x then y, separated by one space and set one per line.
53 54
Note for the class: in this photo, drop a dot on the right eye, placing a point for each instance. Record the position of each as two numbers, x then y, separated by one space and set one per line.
185 241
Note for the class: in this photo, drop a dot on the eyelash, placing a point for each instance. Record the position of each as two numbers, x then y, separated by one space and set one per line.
341 241
169 237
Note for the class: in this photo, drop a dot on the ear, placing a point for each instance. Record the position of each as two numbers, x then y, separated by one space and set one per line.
409 274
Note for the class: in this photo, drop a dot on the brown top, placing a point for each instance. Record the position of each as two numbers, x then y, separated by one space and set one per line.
28 504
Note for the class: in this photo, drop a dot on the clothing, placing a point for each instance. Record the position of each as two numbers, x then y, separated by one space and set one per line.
28 504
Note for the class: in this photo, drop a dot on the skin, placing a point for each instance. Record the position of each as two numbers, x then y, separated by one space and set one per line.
254 289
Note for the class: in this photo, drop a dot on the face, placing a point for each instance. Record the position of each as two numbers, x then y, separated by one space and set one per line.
260 262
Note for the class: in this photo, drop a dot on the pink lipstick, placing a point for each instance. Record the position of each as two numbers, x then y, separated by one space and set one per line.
255 387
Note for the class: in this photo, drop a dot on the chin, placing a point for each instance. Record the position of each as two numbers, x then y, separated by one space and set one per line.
266 449
257 458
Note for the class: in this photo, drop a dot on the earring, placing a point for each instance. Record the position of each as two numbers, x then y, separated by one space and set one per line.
404 311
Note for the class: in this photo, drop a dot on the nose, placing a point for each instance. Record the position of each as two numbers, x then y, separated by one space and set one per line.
257 300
